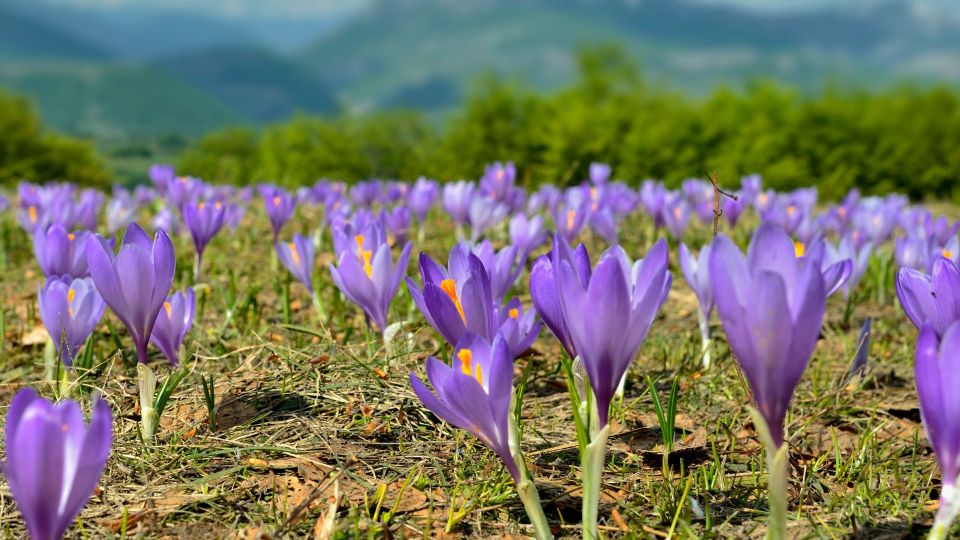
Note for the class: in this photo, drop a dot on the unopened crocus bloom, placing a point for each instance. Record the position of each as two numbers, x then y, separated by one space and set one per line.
70 310
397 222
544 287
771 304
503 267
696 271
938 377
604 223
297 257
422 196
750 187
60 252
608 316
732 208
279 206
456 200
369 279
652 197
527 233
933 298
173 323
912 251
204 220
54 460
456 299
599 174
136 281
485 213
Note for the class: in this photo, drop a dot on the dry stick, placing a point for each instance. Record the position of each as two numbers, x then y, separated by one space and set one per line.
312 496
717 192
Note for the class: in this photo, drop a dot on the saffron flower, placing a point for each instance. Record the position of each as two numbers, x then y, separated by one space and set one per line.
609 315
54 460
279 206
368 277
544 291
70 310
60 252
675 214
173 323
456 200
527 233
933 298
938 377
503 267
475 395
297 257
422 196
771 306
457 299
518 327
204 220
483 214
136 281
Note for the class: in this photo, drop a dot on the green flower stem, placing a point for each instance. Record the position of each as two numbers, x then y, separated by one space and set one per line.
778 459
591 465
949 506
318 305
526 488
147 381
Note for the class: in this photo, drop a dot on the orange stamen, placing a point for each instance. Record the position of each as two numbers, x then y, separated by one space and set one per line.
32 212
571 214
514 313
293 252
799 248
449 286
168 308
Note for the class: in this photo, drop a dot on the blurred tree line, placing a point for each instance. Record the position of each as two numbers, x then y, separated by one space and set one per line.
27 152
906 139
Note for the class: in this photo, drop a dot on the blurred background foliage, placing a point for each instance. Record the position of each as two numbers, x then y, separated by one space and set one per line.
905 138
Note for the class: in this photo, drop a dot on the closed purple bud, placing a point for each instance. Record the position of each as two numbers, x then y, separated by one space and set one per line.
173 323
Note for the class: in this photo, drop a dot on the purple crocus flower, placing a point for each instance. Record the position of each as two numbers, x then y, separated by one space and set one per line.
204 220
54 460
297 256
696 271
121 211
136 281
279 206
70 310
846 250
497 181
518 327
941 230
60 252
599 174
771 305
369 278
182 190
527 233
456 299
876 218
912 251
547 197
173 323
396 221
165 219
571 215
422 196
733 208
652 197
609 316
604 223
835 275
750 187
456 200
675 214
485 213
933 298
938 377
503 267
475 393
950 250
544 289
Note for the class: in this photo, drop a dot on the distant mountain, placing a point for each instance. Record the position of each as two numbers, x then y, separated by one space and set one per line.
115 101
25 38
424 51
255 82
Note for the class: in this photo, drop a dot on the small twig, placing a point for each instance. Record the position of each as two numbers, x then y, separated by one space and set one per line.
717 192
312 496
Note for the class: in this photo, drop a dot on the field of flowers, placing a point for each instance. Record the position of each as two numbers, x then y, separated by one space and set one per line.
473 359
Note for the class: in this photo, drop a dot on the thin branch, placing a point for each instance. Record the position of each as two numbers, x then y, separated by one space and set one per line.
717 192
